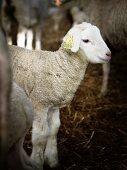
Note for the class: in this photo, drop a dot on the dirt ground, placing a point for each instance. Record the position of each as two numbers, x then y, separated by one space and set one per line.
93 132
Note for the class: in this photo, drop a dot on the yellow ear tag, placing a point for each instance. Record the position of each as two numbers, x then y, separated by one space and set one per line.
69 42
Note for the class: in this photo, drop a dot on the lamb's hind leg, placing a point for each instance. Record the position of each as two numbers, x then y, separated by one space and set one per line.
51 153
40 134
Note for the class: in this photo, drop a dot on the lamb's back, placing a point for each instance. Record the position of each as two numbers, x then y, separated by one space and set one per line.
47 77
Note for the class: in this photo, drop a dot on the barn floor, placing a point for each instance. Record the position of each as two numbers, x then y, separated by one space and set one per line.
93 132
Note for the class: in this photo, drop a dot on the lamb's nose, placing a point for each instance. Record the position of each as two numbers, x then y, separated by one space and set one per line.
108 54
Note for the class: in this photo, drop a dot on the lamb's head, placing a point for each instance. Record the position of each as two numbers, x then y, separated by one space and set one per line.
86 40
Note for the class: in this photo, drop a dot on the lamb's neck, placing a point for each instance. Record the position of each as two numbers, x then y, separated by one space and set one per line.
76 63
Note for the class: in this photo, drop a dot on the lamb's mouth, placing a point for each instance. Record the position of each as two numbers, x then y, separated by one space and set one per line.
104 59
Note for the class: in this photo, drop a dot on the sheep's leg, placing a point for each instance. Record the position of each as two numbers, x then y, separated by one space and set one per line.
106 71
57 19
9 40
28 162
40 134
38 35
14 160
21 38
29 39
51 154
18 159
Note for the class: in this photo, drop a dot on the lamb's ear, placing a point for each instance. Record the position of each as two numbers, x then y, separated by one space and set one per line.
72 40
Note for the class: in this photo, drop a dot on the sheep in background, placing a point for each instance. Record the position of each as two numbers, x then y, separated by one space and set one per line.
110 17
51 79
5 84
9 22
78 16
19 121
16 116
58 13
31 16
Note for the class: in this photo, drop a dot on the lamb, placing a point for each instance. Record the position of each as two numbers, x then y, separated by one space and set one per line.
19 121
51 79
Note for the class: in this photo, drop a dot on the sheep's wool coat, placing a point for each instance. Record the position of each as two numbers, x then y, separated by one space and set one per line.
21 115
49 78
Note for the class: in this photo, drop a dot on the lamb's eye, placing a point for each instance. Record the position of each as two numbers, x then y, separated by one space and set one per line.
86 41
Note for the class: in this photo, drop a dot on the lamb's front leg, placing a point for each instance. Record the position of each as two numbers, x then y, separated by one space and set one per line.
51 153
40 133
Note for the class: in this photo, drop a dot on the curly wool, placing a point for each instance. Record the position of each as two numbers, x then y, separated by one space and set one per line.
21 115
49 78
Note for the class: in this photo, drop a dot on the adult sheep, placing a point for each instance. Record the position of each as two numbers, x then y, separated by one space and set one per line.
18 122
110 16
29 17
51 79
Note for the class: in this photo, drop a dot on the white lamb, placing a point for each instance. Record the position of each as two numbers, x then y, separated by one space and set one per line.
51 79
